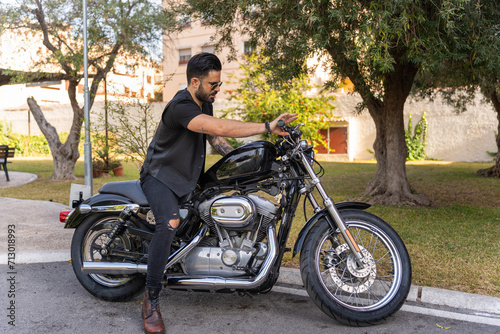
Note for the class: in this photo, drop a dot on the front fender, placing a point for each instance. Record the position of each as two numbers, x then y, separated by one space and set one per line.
76 217
324 213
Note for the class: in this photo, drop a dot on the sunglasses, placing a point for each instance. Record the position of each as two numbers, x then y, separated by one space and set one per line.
214 85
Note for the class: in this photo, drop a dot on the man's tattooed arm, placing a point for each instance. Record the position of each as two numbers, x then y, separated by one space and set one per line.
220 144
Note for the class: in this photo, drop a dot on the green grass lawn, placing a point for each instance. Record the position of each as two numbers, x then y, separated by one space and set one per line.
453 244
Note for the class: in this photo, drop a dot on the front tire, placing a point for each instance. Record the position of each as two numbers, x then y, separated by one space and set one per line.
85 246
339 287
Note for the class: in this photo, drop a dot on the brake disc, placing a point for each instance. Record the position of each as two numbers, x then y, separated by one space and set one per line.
348 275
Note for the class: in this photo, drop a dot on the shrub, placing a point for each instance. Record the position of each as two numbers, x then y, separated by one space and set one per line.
131 128
262 99
416 139
26 146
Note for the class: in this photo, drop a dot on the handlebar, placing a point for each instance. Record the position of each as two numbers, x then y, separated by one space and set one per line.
290 142
294 131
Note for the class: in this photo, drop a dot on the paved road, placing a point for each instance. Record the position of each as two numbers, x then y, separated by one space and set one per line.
49 299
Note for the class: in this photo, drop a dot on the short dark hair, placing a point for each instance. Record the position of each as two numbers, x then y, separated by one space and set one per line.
201 64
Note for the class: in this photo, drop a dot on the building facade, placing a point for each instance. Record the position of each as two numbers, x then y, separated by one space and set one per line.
196 37
20 50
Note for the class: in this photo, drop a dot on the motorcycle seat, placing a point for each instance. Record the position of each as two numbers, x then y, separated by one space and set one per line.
129 189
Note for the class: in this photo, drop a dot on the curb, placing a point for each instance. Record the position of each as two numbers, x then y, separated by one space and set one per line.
421 294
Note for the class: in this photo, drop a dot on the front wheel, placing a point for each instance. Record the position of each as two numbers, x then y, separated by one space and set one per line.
86 245
354 295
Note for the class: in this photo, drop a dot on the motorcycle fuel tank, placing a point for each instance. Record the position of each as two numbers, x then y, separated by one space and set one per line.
250 161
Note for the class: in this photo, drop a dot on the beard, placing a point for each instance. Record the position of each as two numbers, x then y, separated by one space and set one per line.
203 96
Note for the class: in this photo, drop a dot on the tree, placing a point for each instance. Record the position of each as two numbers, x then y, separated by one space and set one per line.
261 100
474 68
116 28
379 45
484 69
491 89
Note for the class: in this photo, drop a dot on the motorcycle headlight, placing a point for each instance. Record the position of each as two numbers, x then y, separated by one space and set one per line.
310 154
308 150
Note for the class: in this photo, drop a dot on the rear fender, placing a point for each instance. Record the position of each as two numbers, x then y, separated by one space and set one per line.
107 201
326 215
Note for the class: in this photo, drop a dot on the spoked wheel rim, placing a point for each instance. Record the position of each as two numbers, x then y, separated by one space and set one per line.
95 238
360 289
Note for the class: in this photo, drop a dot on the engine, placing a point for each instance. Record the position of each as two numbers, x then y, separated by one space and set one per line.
238 225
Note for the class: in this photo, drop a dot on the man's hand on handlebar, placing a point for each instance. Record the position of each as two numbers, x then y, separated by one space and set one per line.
287 118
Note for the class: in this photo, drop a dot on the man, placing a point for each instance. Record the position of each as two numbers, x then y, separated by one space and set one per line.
175 159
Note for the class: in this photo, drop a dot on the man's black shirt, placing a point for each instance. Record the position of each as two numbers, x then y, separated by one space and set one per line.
176 155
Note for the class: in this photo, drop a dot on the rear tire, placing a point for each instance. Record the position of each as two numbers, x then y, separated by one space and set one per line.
85 245
339 287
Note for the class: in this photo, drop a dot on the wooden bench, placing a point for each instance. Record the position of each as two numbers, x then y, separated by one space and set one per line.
6 152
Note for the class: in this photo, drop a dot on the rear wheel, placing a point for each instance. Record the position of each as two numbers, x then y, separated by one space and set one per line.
86 244
351 294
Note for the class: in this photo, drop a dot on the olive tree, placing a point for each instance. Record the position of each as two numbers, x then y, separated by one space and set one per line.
475 67
379 45
116 28
491 90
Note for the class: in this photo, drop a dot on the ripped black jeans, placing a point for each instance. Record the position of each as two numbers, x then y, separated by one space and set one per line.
165 206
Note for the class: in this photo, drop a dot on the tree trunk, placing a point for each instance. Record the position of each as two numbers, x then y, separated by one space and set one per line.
390 186
494 171
64 155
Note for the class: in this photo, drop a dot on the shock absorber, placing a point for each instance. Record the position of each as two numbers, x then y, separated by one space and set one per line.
119 227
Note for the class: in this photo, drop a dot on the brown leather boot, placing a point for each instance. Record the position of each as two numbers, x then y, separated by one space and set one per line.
153 322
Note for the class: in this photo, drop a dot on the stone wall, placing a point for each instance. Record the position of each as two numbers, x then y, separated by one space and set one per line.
452 137
59 115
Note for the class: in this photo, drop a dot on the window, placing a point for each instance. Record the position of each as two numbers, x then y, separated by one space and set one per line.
208 48
184 56
250 12
130 69
206 19
185 21
248 48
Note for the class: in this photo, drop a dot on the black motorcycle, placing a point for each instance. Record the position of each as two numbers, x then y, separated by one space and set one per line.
233 233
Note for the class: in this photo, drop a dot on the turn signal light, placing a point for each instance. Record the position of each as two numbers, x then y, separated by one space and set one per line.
63 215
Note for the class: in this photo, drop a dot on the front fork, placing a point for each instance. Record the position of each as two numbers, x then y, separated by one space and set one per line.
330 206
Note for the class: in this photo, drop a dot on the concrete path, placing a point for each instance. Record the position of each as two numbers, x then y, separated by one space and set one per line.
16 179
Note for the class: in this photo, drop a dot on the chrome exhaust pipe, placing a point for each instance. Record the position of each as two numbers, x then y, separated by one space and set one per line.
220 283
117 268
113 268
